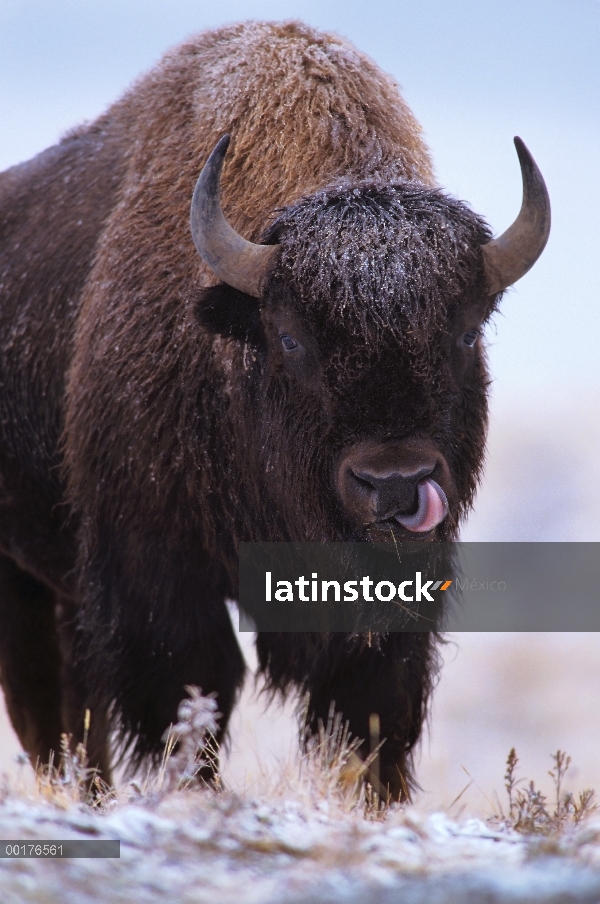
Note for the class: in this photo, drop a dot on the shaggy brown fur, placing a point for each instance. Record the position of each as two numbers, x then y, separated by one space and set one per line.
182 429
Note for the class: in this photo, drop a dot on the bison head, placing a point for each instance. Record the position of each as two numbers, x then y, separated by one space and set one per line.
361 378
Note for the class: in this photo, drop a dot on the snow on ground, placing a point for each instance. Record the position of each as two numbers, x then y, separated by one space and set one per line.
196 846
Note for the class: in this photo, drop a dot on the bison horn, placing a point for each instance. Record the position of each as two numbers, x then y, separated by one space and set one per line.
509 257
237 262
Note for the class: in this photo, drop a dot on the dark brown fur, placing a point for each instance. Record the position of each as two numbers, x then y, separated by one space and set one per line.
147 424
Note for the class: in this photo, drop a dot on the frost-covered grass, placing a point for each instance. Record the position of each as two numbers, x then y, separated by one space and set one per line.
308 836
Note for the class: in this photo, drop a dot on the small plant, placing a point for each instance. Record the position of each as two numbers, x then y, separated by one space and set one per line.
529 811
331 767
190 746
72 780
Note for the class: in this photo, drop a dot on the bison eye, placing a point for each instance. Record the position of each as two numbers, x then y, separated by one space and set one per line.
470 338
287 342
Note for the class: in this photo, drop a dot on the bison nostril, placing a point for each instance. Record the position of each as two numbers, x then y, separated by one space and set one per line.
367 481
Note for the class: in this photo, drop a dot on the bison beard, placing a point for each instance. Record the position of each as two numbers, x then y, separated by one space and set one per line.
150 420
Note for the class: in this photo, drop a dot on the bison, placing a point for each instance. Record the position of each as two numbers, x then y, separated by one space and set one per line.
305 363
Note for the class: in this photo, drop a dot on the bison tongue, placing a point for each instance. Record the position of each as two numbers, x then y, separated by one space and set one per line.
432 508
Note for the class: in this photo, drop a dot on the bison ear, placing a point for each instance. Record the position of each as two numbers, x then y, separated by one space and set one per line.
227 311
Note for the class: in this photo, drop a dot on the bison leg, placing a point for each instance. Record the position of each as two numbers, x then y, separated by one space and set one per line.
76 700
30 661
150 672
44 694
387 675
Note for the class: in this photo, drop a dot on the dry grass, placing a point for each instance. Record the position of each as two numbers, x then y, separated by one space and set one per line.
331 769
529 810
69 780
329 773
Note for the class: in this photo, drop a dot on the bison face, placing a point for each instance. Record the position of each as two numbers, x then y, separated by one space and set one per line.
361 389
373 341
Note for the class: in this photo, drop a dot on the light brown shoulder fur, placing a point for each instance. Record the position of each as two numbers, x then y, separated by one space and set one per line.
303 107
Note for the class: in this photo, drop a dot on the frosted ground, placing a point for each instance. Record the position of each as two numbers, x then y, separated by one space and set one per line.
303 834
205 848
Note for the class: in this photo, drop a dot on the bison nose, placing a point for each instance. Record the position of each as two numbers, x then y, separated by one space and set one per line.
388 494
395 481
